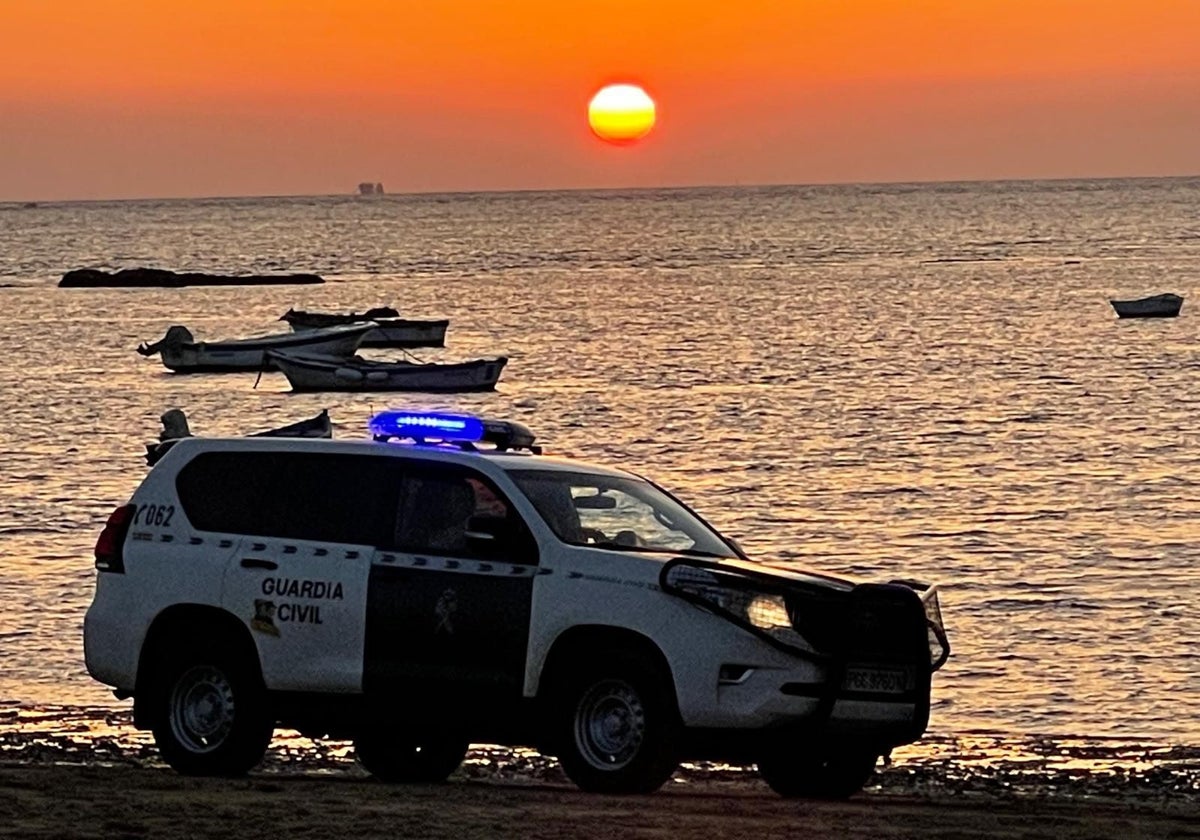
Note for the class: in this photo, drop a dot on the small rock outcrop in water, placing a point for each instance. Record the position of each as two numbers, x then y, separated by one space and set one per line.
90 278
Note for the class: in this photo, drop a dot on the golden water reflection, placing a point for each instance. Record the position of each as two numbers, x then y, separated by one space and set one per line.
940 764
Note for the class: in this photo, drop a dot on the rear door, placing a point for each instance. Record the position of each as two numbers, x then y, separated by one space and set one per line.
449 602
309 523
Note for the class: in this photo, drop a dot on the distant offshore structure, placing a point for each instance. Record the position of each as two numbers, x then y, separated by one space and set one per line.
367 188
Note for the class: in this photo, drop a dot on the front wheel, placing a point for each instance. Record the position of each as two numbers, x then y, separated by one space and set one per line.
397 759
801 776
618 726
210 714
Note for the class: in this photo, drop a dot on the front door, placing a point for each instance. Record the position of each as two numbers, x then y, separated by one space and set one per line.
448 606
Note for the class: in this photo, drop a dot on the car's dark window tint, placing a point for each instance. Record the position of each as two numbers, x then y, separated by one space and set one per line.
453 512
326 497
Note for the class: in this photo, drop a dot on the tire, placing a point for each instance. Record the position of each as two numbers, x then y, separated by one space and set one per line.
398 759
806 776
618 725
210 715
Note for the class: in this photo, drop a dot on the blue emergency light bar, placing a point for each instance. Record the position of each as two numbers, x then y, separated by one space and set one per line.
424 426
461 430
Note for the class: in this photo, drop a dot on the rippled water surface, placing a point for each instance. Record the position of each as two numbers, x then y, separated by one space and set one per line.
919 381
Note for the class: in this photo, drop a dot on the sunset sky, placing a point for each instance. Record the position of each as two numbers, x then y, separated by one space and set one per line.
144 98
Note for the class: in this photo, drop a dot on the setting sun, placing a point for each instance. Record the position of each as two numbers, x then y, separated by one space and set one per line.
621 113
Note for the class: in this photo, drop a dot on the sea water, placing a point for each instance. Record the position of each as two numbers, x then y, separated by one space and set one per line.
920 381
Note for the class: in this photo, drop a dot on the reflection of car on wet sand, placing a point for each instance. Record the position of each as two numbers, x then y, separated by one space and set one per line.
444 583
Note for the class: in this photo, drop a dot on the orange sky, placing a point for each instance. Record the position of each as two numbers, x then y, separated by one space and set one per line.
129 98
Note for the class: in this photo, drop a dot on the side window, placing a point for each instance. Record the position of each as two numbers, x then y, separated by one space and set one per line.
222 491
456 513
324 497
616 512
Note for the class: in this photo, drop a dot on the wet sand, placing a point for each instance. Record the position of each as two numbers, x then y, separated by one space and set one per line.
76 772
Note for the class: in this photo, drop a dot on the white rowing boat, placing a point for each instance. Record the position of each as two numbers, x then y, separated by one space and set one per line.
183 354
308 372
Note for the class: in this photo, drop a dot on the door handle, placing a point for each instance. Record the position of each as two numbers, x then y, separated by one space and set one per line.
256 563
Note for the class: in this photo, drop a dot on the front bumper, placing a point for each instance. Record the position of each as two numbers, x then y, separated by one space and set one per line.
875 646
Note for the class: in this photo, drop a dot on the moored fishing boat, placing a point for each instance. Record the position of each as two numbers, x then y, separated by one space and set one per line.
390 330
307 372
1157 306
175 428
183 354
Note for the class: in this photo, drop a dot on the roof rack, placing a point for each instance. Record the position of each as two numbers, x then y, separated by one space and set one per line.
460 430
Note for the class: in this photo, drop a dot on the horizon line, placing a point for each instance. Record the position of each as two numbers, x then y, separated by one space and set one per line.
662 188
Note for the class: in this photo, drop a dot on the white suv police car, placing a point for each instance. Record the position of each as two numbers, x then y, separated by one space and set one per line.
422 590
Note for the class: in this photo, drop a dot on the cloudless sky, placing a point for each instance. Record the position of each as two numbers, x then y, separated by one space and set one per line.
147 98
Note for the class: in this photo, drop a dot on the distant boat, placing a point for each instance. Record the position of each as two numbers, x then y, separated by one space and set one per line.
307 372
367 188
389 330
183 354
1158 306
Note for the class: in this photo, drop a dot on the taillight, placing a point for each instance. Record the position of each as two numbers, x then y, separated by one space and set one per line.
110 544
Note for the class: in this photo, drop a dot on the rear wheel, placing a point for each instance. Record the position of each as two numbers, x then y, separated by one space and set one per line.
807 776
210 716
618 726
397 758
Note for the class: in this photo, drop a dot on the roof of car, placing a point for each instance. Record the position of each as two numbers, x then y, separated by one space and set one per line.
508 461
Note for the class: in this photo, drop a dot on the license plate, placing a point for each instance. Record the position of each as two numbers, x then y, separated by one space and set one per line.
876 680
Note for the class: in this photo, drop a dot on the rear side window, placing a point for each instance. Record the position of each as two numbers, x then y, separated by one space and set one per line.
326 497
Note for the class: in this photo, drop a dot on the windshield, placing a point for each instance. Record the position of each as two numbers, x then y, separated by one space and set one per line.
617 513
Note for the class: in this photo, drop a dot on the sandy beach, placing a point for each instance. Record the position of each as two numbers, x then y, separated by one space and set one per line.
98 801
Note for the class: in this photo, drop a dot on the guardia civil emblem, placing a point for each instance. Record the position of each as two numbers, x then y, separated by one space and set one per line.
444 611
264 617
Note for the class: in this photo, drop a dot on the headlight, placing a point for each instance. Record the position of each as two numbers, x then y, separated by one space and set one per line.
768 612
727 594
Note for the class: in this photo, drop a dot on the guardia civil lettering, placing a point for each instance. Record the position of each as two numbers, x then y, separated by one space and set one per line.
296 588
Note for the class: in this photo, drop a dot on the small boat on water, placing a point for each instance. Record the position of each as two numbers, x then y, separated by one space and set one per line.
183 354
306 372
175 427
319 426
1158 306
390 329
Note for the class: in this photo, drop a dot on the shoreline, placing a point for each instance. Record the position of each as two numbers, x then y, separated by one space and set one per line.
85 772
975 764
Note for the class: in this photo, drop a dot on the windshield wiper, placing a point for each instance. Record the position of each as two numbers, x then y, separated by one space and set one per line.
698 552
655 549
